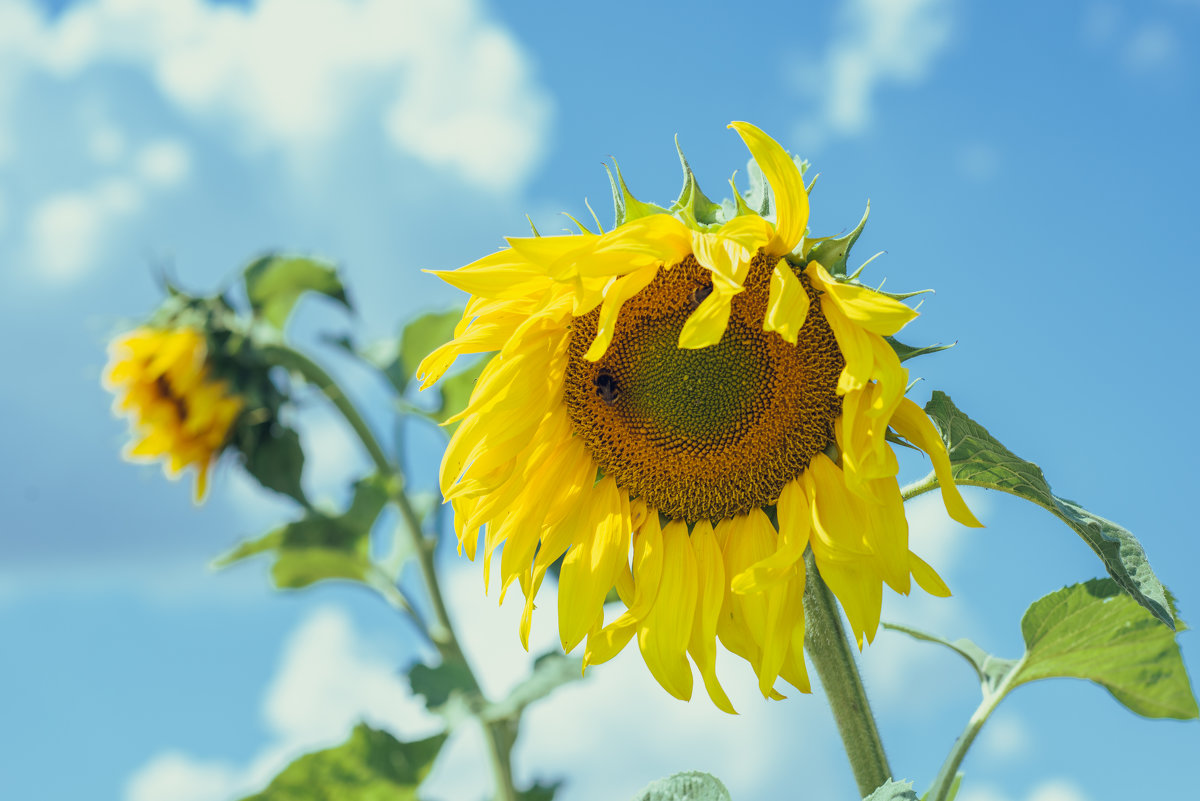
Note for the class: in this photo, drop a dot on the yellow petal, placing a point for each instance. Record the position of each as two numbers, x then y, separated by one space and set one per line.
791 198
711 589
911 422
787 305
663 635
794 523
872 310
707 323
621 290
927 578
648 568
589 569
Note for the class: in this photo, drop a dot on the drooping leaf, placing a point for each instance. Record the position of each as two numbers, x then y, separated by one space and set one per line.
893 791
275 282
991 670
551 670
370 766
1095 631
686 786
321 546
276 460
978 459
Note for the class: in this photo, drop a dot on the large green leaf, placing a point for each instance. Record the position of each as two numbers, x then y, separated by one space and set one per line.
893 791
686 786
978 459
276 281
371 766
1094 631
321 546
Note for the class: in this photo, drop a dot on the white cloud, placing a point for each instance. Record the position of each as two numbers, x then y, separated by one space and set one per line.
328 680
67 229
1049 790
1004 738
106 144
442 81
164 163
1153 46
880 42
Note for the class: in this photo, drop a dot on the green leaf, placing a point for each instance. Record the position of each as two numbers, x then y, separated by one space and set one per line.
423 335
276 460
1094 631
686 786
321 546
539 792
371 766
979 460
990 669
551 670
438 684
275 282
893 791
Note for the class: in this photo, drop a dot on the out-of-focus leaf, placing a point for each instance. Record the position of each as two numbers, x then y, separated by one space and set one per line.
321 546
686 786
276 460
438 684
276 281
1095 631
539 792
371 766
978 459
551 670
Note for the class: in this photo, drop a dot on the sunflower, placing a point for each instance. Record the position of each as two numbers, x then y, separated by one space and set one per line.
177 412
679 408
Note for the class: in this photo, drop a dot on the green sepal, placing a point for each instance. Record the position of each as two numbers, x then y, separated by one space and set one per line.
626 207
275 282
692 785
892 790
832 252
758 197
322 546
370 766
692 205
978 459
906 352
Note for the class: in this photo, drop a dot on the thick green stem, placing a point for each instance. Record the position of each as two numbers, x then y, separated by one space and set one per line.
441 633
920 487
827 645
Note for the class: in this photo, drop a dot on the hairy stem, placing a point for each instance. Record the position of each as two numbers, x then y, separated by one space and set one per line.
829 648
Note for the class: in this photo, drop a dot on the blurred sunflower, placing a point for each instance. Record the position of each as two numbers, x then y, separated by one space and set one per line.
177 412
695 387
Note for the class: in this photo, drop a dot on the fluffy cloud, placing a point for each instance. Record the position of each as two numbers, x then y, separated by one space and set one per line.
1050 790
879 42
328 680
445 84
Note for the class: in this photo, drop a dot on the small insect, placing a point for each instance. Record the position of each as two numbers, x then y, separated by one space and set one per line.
606 387
699 294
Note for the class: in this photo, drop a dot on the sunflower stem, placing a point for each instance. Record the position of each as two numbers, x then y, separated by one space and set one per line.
828 646
919 487
501 735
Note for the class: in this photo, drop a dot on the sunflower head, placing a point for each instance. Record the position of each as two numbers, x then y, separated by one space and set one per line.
679 409
178 412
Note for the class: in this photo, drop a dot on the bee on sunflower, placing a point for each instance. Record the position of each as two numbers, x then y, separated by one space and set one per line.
679 408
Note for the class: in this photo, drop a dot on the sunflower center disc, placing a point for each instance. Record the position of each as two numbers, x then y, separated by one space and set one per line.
708 433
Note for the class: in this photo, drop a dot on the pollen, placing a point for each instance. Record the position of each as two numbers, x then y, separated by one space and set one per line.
709 433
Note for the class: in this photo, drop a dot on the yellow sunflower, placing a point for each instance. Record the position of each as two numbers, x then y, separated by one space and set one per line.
177 412
680 409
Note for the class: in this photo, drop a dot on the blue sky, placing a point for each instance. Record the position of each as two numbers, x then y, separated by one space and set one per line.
1034 163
